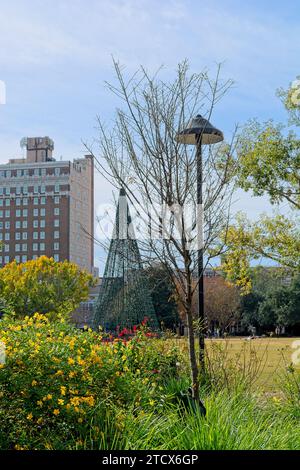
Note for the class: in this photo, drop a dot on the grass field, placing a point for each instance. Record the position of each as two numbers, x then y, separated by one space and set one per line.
273 354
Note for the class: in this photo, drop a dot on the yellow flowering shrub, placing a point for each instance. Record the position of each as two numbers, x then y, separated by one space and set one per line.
58 384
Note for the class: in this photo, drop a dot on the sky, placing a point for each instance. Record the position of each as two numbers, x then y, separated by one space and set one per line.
55 57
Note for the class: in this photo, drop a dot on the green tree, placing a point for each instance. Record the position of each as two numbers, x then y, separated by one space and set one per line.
162 291
44 286
267 163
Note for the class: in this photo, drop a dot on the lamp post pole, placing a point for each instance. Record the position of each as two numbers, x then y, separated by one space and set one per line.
199 131
201 317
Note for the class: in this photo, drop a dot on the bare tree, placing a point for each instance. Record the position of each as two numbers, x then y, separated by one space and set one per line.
141 154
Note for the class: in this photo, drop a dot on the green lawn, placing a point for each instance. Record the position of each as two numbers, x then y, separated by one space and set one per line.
274 355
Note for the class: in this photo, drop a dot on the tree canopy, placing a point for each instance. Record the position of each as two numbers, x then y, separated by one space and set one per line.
44 286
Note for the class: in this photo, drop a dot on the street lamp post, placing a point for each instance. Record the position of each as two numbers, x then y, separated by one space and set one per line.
199 131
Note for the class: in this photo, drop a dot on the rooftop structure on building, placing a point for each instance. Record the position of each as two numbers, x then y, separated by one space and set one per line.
47 206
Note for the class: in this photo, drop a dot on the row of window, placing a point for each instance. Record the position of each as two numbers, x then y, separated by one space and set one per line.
24 201
24 236
22 258
28 172
24 189
24 212
24 224
35 247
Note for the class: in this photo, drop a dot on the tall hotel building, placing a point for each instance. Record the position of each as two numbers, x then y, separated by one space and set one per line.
47 206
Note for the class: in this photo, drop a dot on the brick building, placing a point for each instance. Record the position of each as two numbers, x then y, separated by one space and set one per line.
47 206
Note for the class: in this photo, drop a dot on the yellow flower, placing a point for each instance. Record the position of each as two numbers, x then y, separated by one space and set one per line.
39 403
29 416
56 412
151 402
124 357
59 372
49 396
71 361
80 420
39 421
62 390
60 401
72 374
33 383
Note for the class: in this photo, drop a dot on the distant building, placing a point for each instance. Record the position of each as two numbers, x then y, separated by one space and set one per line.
47 206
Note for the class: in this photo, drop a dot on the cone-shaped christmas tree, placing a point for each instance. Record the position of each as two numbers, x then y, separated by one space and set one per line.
124 298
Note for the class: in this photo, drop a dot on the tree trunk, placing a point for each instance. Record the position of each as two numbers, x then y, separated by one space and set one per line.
192 351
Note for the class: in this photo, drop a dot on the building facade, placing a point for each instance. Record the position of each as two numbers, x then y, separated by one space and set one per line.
47 206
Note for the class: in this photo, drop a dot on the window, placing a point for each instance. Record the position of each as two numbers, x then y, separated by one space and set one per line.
56 188
1 202
25 172
18 190
1 262
35 189
24 258
35 212
35 247
56 200
42 246
8 174
18 224
43 212
19 173
1 191
17 258
7 224
42 235
56 210
56 246
57 171
56 234
25 201
1 213
35 224
24 236
43 200
25 212
18 236
17 247
6 259
1 238
7 213
7 191
43 188
1 225
24 246
6 237
35 235
24 224
36 172
7 202
18 213
18 201
56 257
6 248
43 172
25 189
35 257
56 223
42 223
35 200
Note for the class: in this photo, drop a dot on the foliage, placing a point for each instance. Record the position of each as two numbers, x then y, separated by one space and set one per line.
274 299
222 302
43 285
162 291
269 162
59 384
276 238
